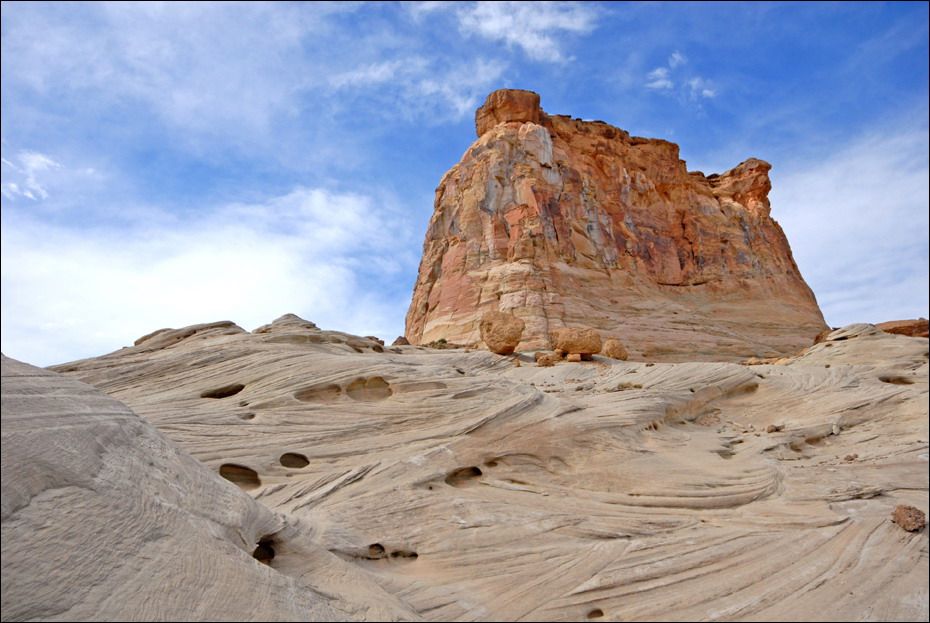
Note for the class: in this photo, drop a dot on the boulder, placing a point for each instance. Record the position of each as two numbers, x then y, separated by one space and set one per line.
501 332
577 341
614 349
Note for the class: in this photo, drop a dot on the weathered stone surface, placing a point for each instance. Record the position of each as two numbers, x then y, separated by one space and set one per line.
909 518
919 327
501 332
105 519
475 489
574 340
400 341
507 105
565 222
573 357
614 349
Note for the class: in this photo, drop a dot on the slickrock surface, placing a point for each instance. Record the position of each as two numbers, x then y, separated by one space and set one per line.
105 519
471 489
574 223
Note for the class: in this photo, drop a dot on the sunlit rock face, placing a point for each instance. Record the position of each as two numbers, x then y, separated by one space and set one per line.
565 222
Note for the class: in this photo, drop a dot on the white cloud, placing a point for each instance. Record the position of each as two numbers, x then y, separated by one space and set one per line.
694 88
215 73
659 79
70 293
369 75
462 88
699 87
676 59
419 9
535 27
23 180
433 90
857 222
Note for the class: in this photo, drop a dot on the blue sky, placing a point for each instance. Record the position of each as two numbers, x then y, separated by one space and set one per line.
166 164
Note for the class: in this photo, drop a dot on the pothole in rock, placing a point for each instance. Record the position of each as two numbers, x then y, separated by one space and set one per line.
596 613
896 380
324 393
244 477
370 389
264 551
463 476
294 460
247 416
223 392
376 551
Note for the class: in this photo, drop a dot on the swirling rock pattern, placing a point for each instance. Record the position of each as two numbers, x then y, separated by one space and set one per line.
105 519
468 488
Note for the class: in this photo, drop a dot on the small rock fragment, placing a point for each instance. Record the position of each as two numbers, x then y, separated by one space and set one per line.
909 518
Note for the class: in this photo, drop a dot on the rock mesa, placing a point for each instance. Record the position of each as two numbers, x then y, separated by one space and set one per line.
571 223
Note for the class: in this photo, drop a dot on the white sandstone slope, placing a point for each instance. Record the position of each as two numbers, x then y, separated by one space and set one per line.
105 519
475 489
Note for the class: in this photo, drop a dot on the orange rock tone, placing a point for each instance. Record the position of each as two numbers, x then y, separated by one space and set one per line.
565 222
911 328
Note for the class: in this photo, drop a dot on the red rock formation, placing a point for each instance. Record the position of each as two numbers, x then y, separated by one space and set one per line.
564 222
911 328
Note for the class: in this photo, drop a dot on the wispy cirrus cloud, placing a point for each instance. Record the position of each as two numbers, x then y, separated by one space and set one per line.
693 87
537 28
23 180
659 79
869 262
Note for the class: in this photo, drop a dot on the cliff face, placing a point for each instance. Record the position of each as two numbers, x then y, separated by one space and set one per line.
566 222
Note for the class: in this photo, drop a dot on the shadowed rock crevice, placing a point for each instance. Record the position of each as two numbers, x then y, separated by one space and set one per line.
245 477
223 392
294 460
264 551
463 476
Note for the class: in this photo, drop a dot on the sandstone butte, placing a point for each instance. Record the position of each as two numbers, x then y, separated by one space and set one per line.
565 222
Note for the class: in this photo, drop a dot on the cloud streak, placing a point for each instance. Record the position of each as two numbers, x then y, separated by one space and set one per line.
868 263
536 28
662 79
23 181
73 293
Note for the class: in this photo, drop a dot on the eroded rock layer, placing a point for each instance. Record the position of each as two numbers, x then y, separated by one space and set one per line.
469 488
566 222
105 519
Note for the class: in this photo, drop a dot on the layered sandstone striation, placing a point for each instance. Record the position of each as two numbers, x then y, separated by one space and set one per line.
451 485
106 519
565 222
